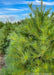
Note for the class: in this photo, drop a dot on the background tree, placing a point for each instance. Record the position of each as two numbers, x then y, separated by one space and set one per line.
5 30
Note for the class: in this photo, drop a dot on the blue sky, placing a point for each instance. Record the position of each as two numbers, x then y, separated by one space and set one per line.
15 10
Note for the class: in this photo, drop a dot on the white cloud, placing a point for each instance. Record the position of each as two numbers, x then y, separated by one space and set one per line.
37 2
11 18
45 3
25 14
15 9
12 10
7 16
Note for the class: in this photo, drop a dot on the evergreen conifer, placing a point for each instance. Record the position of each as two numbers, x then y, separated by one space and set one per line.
32 45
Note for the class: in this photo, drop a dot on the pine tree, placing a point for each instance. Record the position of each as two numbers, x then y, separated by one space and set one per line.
5 30
32 45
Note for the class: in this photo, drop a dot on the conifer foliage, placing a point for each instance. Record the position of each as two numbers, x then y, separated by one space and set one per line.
5 30
31 48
